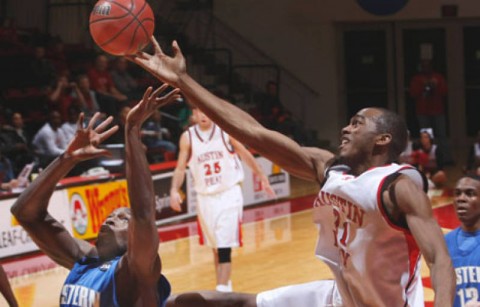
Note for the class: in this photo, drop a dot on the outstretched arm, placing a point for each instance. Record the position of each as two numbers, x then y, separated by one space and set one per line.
249 159
142 251
30 209
415 205
212 299
6 289
179 173
272 145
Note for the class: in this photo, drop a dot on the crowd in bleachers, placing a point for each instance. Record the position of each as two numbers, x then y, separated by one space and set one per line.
46 84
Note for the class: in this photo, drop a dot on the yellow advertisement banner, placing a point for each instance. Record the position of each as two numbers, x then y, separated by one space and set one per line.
90 205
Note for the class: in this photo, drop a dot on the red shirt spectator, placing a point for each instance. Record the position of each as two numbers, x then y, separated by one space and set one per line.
428 88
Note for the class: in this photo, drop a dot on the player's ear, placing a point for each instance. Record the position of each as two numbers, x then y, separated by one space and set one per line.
384 139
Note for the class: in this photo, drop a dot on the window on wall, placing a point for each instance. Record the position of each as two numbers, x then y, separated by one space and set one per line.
366 77
427 43
471 49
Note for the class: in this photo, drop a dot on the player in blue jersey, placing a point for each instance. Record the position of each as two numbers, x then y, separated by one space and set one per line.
464 242
123 268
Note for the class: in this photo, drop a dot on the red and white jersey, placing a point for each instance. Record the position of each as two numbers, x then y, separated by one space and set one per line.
214 165
375 262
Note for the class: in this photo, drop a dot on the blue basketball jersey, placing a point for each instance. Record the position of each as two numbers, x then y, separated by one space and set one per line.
464 249
92 283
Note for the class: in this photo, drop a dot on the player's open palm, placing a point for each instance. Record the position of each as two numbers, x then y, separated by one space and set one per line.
149 103
166 68
85 143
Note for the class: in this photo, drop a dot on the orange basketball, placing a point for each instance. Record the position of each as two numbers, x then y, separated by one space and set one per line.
121 27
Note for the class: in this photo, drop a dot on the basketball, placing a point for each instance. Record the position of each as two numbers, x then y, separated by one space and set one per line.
121 27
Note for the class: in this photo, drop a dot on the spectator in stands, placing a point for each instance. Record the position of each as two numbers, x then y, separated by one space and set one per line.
8 36
120 120
428 158
56 54
7 177
87 102
50 141
42 70
63 95
473 159
185 115
269 106
124 81
70 126
109 97
156 137
15 143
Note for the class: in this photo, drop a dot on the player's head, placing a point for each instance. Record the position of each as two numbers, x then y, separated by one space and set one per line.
467 202
426 137
16 120
113 235
373 132
54 119
203 121
101 62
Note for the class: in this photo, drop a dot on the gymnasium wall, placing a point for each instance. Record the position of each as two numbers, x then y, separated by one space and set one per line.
301 36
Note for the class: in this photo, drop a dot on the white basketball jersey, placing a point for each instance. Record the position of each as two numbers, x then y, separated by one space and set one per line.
214 165
375 262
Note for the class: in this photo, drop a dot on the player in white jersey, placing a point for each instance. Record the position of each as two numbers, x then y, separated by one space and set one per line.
217 172
352 239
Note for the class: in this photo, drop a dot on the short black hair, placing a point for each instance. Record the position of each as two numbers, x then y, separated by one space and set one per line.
471 176
391 123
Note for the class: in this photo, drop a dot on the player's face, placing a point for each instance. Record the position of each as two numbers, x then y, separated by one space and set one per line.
358 138
113 234
425 140
467 203
201 119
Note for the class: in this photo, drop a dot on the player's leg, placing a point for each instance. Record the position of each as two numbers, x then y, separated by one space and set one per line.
227 233
224 269
322 293
211 299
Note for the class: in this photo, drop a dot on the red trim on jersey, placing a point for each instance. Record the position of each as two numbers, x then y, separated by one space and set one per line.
413 250
240 234
198 134
229 148
200 233
190 147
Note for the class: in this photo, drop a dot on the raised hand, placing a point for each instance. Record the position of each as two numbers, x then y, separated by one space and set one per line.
166 68
149 103
86 139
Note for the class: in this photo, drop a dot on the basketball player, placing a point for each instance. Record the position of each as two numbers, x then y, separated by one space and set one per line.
464 242
212 157
123 267
373 214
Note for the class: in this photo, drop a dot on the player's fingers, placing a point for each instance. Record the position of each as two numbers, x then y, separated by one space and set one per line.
105 135
80 121
176 49
159 90
156 46
104 124
147 93
93 120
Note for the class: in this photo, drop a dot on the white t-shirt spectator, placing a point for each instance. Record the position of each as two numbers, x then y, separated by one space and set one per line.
50 142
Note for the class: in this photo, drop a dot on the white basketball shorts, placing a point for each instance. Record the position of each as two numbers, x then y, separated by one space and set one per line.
220 218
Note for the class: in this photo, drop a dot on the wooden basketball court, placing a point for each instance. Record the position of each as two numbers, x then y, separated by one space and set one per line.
278 249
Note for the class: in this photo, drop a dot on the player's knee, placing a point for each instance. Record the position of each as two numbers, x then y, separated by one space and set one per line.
224 255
